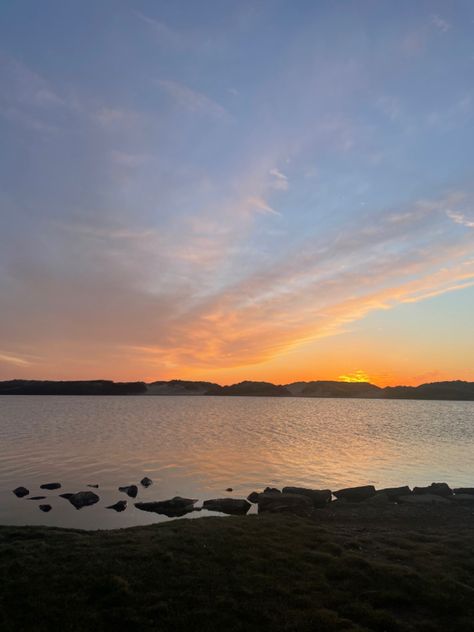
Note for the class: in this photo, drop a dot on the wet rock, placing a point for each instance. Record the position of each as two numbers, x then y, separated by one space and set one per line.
355 494
464 490
94 485
130 490
253 497
81 499
36 498
319 497
438 489
120 505
50 486
21 491
229 489
271 490
231 506
393 493
422 499
45 508
146 482
285 503
172 508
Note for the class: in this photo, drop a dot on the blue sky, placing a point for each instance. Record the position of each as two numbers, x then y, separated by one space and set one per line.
225 189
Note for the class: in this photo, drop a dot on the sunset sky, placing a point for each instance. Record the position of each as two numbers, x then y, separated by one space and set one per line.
232 189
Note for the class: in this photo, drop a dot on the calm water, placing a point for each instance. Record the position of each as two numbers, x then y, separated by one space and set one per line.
197 447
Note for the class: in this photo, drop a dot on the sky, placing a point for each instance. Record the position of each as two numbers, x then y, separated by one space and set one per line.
225 190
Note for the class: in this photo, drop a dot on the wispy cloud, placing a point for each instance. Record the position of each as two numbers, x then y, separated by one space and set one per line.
440 23
460 218
192 100
279 180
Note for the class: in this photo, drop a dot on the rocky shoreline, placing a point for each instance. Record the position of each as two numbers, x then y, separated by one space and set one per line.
292 500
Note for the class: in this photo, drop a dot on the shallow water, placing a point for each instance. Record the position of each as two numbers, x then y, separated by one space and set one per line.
199 446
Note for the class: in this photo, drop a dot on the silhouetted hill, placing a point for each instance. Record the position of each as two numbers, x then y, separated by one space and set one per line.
454 390
334 389
88 387
457 390
181 387
254 389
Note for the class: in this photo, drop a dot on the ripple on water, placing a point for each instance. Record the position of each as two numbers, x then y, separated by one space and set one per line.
198 447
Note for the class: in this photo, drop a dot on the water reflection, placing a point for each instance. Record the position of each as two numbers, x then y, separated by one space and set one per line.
198 447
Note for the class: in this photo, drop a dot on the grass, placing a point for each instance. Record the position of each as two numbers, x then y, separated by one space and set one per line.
255 573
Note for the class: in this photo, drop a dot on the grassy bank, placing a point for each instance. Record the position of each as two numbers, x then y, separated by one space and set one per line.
355 569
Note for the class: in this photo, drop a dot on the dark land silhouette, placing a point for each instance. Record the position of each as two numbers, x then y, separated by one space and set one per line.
452 390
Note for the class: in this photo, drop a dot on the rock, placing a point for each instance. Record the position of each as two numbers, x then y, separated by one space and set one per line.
271 490
229 489
380 498
45 508
253 497
120 505
285 503
94 485
130 490
462 498
320 497
50 486
422 499
355 494
146 482
232 506
394 492
174 507
21 491
81 499
438 489
36 498
464 490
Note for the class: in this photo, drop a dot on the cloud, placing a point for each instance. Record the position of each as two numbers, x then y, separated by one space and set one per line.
460 218
280 181
13 359
165 35
440 23
192 100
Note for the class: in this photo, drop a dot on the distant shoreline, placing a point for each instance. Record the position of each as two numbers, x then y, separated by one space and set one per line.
456 390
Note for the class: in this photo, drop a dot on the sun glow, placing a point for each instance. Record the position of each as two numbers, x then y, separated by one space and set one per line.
357 376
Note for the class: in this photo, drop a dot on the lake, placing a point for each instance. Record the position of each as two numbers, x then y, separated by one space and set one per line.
199 446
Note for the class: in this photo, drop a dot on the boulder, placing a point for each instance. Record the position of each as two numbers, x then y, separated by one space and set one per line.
94 485
45 508
320 497
174 507
462 498
229 489
81 499
380 498
394 492
120 505
130 490
464 490
271 490
437 489
231 506
253 497
146 482
422 499
21 491
355 494
285 503
36 498
50 486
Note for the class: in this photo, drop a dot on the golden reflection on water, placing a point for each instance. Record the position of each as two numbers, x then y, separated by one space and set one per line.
198 447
